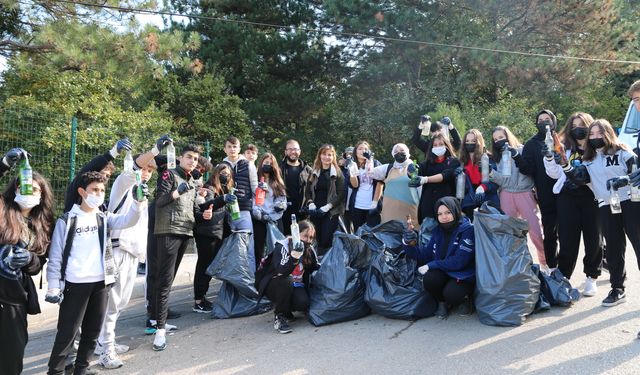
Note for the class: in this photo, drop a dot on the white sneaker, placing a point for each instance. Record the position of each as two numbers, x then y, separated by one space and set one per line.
119 348
160 340
110 360
590 287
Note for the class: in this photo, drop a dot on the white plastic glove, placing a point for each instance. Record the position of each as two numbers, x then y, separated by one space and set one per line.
353 169
326 208
312 206
424 180
374 204
479 190
53 296
423 269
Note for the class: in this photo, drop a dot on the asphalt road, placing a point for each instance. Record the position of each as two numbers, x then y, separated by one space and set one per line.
583 339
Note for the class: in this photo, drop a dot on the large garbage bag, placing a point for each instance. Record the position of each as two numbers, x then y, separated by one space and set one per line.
542 304
234 264
394 289
273 235
426 230
557 289
507 289
336 293
232 304
387 235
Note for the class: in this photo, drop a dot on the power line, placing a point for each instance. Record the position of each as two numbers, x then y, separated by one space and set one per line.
349 34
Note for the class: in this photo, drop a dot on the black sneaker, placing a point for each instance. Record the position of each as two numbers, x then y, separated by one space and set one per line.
281 325
616 296
466 307
290 317
203 307
442 311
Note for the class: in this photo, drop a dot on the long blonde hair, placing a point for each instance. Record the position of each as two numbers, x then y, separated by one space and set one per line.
317 163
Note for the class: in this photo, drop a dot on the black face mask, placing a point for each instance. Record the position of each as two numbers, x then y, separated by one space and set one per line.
196 174
400 157
470 147
223 179
449 225
267 168
579 133
500 144
542 126
596 143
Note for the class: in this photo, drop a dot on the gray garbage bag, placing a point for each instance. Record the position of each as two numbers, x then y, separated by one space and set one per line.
387 236
230 303
234 264
557 289
336 293
394 289
507 289
542 304
273 235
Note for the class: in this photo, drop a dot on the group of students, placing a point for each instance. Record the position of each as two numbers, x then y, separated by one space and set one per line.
583 185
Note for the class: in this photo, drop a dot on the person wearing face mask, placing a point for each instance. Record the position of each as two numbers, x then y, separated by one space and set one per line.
211 220
82 267
444 127
605 165
577 206
24 239
204 167
362 187
531 163
477 191
325 196
283 276
516 189
448 260
295 173
129 246
275 202
399 199
437 176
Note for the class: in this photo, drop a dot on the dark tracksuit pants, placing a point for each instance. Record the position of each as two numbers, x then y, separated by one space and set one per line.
13 331
577 214
285 297
260 238
360 217
208 248
445 288
84 306
326 226
550 236
170 249
152 267
614 228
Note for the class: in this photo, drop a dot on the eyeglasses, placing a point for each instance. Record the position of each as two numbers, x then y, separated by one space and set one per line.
635 99
293 149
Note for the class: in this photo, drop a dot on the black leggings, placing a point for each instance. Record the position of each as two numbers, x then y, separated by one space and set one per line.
169 252
326 226
207 250
445 288
260 238
285 297
550 237
13 331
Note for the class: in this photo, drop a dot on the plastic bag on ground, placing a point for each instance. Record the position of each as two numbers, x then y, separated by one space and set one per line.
234 264
336 293
542 304
557 289
507 289
230 303
394 289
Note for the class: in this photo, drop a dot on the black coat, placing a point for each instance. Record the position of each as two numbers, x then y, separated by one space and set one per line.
531 163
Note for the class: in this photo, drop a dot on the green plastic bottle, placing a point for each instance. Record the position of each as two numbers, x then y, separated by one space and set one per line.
234 208
139 187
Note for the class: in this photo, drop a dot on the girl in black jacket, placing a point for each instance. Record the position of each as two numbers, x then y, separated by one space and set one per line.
284 275
27 225
209 230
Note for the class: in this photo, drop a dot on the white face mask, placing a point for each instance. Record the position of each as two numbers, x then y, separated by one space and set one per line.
27 201
94 201
439 150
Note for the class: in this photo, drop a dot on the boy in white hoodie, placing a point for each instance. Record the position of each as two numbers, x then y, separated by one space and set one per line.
81 267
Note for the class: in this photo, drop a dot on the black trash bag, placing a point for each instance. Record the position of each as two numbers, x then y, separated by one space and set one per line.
386 236
230 303
336 293
507 289
542 304
394 289
426 230
557 289
234 265
273 235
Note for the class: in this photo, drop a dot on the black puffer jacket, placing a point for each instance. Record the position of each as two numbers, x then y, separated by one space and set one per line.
215 226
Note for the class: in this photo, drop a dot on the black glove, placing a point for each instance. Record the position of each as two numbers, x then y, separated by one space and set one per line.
425 118
20 258
124 144
411 169
617 182
230 198
14 155
145 192
512 150
163 142
634 178
415 182
409 236
366 155
557 158
479 198
446 121
184 187
546 152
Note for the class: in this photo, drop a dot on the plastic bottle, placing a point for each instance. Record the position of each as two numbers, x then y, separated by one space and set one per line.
26 177
460 186
484 167
234 208
410 227
295 230
138 183
425 125
171 156
128 162
614 202
548 139
635 191
505 163
260 193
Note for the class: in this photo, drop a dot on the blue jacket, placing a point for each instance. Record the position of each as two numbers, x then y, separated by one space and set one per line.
459 261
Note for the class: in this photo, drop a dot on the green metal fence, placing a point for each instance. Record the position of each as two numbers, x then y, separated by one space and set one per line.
60 146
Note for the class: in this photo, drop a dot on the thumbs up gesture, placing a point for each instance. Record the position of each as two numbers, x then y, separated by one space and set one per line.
208 213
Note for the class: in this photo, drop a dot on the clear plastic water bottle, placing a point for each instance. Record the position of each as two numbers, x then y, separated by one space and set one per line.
614 202
295 230
171 156
460 186
505 163
548 139
128 162
484 167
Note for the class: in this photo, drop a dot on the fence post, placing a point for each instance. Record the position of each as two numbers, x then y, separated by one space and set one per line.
72 157
207 150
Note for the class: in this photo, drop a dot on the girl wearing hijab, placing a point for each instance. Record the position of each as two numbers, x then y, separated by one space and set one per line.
400 200
448 261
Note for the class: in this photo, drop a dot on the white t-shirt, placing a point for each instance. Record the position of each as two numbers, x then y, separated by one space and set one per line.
85 259
364 195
